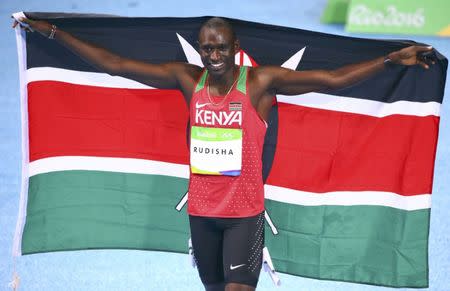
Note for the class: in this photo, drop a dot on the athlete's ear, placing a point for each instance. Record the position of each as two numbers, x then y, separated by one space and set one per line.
237 46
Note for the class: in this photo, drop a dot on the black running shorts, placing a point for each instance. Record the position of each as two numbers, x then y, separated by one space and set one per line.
228 250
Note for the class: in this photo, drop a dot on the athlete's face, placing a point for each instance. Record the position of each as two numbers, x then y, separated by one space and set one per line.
217 49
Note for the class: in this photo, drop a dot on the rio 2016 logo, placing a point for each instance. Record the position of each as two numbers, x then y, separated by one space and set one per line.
389 16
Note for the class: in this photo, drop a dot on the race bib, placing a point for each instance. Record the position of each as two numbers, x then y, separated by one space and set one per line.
216 151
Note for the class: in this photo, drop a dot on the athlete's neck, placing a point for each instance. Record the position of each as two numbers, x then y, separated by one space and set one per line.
220 85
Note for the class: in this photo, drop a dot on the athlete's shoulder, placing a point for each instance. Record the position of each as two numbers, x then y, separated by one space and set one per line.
263 75
187 75
265 71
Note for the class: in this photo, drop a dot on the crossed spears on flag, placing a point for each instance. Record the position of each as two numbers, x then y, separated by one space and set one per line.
241 58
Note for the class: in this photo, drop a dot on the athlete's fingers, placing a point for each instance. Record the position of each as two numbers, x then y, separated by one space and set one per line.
423 64
428 57
23 23
25 20
421 48
21 26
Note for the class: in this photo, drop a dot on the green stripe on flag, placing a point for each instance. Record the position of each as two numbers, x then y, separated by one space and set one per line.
370 244
71 210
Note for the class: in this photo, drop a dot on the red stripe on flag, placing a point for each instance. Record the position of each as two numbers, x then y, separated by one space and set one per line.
67 119
321 151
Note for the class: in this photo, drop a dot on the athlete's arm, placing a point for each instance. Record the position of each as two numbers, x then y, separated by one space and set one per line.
289 82
168 75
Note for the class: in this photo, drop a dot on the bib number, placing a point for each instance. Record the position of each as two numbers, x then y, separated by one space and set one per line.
216 151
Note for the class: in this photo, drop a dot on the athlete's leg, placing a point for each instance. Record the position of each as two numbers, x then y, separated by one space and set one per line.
242 252
207 242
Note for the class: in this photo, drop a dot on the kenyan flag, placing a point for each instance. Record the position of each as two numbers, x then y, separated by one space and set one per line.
348 173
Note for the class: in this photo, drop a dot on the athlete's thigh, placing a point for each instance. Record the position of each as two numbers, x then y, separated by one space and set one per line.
207 242
242 250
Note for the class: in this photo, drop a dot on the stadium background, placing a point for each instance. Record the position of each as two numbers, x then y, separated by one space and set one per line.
142 270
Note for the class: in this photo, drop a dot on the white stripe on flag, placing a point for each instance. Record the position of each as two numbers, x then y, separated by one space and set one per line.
123 165
22 57
362 106
347 198
281 194
82 78
313 100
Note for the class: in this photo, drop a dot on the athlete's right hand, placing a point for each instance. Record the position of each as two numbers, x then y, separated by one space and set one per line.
41 26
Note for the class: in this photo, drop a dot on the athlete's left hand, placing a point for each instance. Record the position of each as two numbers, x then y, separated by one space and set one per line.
413 55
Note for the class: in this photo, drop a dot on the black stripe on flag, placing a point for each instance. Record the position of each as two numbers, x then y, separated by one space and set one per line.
154 40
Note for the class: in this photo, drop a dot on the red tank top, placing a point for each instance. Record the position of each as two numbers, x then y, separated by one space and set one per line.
228 196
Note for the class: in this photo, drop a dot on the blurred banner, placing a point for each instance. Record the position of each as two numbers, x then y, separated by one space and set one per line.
405 17
335 11
391 16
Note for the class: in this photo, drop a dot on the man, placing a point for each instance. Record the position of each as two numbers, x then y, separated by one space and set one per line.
229 106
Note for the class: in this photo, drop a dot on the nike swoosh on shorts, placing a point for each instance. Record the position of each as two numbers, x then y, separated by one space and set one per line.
235 267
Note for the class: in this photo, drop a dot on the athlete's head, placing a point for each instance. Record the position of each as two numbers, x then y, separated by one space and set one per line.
217 45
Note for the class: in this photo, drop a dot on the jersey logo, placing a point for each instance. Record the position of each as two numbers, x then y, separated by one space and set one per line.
198 106
207 117
235 267
235 106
